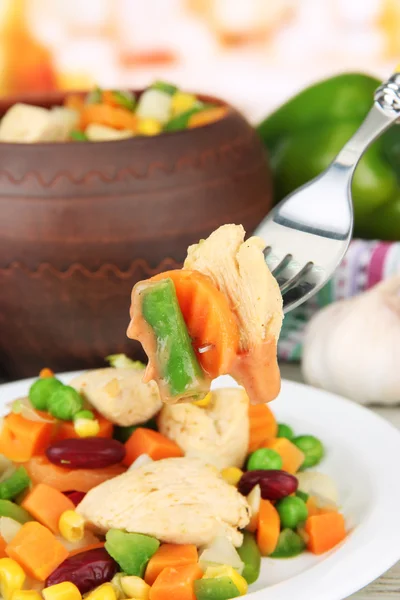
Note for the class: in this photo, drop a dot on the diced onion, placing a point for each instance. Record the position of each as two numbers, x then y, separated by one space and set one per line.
220 552
9 529
319 485
141 461
254 501
88 539
23 407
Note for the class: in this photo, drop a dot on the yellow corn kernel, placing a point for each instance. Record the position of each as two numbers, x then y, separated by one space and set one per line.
232 475
135 587
26 595
62 591
12 577
45 373
72 526
181 102
204 401
103 592
227 571
148 127
86 427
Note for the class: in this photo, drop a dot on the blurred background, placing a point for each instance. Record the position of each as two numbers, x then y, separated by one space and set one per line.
254 52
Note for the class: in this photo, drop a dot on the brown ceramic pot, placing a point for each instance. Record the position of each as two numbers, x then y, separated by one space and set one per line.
81 222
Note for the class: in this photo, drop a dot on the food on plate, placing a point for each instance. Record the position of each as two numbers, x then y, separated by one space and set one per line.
222 313
106 115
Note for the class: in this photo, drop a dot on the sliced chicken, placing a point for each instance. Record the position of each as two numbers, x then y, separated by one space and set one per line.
119 394
176 500
217 433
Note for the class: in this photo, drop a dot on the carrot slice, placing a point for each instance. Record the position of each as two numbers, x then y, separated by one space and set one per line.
207 116
47 504
170 555
263 425
292 457
20 439
37 550
66 429
74 101
41 470
153 443
268 527
104 114
325 531
176 583
3 545
208 317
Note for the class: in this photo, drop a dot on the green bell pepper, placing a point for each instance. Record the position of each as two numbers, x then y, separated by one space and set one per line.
290 544
132 551
250 555
219 588
13 511
11 487
304 135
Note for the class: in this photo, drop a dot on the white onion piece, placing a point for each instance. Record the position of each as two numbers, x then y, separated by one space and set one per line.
254 501
5 464
8 472
141 461
220 552
9 529
88 539
319 485
26 410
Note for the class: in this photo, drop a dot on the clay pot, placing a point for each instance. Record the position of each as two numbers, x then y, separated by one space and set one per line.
82 222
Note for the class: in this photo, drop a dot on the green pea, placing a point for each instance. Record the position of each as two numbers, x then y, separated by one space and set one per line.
64 403
292 511
265 459
302 495
313 450
289 544
284 431
41 391
84 414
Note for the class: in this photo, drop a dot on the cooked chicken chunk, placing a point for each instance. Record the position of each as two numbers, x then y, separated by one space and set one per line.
218 433
176 500
119 394
238 269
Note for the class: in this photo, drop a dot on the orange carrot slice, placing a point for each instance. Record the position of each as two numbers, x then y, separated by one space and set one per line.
20 439
66 429
176 583
325 531
268 527
205 117
47 504
104 114
170 555
37 550
41 470
3 545
263 425
74 101
292 457
153 443
208 317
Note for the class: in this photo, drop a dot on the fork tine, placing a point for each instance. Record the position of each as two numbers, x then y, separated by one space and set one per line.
296 279
281 266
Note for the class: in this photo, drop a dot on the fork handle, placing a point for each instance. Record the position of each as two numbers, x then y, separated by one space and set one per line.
384 112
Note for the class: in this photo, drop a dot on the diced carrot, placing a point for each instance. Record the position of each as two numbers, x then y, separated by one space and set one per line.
176 583
208 317
41 470
46 373
268 527
312 506
20 439
263 425
207 116
153 443
3 545
66 429
104 114
292 457
109 98
37 550
86 548
170 555
47 504
74 101
325 531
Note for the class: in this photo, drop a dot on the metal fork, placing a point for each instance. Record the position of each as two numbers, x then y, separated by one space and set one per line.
309 231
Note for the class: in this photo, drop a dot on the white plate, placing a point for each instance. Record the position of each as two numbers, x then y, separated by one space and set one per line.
363 451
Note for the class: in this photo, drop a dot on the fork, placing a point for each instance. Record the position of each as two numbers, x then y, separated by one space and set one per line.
309 231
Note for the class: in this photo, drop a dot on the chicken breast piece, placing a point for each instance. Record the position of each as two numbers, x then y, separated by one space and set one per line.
218 434
119 394
239 270
176 500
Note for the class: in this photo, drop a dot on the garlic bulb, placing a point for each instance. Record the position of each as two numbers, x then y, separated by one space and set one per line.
352 348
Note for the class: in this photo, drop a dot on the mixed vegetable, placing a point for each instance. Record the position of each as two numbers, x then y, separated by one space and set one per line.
104 115
77 490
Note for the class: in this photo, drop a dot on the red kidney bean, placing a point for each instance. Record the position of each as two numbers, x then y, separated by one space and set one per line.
75 497
86 570
274 484
86 453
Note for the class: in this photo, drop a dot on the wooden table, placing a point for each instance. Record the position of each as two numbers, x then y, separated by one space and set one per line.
386 587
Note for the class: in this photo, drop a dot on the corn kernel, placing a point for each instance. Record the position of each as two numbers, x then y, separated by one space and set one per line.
227 571
135 587
181 102
62 591
26 595
204 401
116 583
12 577
148 127
103 592
45 373
72 526
86 427
232 475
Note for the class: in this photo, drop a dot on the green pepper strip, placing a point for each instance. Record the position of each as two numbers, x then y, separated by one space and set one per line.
218 588
250 555
78 136
163 86
177 364
15 484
